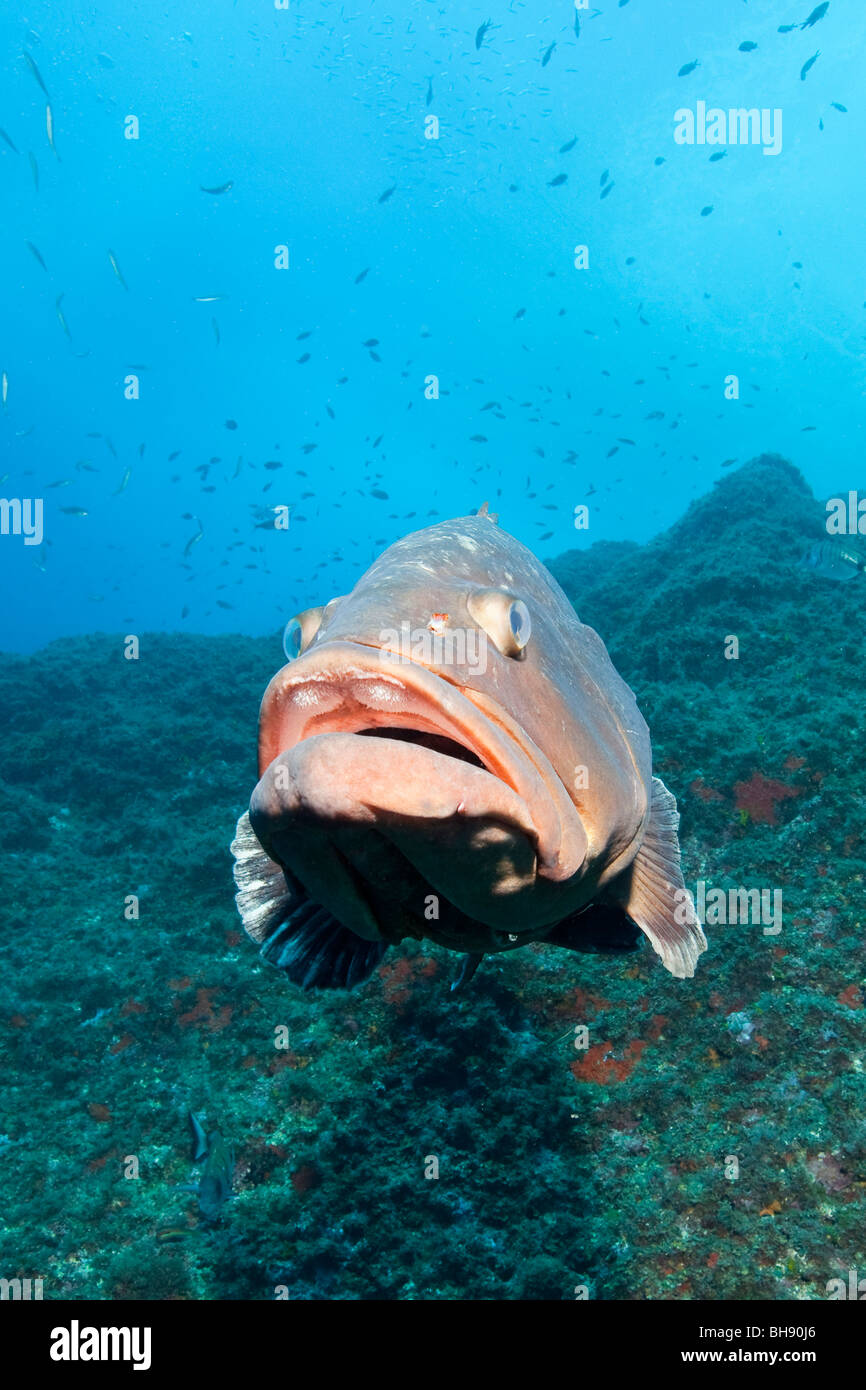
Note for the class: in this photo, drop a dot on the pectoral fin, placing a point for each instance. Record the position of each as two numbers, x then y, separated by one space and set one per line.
653 893
296 935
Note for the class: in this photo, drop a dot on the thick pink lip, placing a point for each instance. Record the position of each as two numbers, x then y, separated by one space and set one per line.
346 687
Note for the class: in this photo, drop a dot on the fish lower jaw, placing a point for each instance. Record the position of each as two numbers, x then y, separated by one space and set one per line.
345 688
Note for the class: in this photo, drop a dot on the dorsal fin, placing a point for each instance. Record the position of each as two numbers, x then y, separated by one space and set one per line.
484 510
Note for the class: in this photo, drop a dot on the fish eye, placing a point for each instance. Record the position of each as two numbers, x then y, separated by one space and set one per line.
300 631
521 623
504 618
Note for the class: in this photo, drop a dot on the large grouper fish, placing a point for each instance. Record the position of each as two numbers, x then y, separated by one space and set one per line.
450 754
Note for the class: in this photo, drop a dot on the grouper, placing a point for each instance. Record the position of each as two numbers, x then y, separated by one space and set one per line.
450 754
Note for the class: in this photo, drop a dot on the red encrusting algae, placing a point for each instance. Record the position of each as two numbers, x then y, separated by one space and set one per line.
760 796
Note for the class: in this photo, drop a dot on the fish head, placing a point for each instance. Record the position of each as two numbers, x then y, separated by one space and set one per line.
449 733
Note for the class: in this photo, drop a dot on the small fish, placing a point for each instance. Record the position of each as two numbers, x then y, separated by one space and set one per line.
558 181
687 68
837 105
705 212
34 169
609 189
36 73
818 13
215 1187
168 1235
785 28
123 483
835 559
809 63
548 54
569 145
37 253
604 178
9 142
194 540
104 60
659 159
231 424
747 46
728 463
61 317
383 197
481 32
4 387
209 298
116 268
199 1138
371 342
223 187
49 126
719 154
363 275
73 511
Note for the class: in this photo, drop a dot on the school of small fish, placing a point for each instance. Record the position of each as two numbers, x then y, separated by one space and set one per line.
274 481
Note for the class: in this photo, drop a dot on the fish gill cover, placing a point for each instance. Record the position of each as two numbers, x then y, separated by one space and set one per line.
280 289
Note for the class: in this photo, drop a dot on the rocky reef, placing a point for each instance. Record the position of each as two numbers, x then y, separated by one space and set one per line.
703 1140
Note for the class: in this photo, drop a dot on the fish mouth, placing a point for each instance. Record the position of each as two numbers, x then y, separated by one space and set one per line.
357 691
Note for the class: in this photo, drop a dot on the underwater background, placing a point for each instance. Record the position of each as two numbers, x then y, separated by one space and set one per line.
376 264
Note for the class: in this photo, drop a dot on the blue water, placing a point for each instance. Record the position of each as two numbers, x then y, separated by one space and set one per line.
314 113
